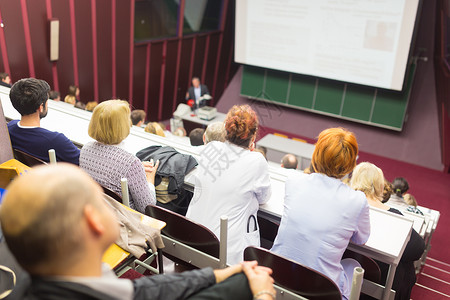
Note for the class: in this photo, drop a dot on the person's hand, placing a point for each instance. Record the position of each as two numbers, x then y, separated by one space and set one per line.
150 170
259 279
222 274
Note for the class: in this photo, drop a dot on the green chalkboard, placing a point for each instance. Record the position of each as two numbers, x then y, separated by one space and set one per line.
369 105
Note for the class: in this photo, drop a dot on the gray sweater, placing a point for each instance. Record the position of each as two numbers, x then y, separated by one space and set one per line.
108 164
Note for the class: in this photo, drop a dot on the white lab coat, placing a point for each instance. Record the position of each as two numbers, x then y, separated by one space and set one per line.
230 181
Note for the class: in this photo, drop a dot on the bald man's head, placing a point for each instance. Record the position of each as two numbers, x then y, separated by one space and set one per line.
289 161
43 215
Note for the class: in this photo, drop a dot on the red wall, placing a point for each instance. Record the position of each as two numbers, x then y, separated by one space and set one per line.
97 52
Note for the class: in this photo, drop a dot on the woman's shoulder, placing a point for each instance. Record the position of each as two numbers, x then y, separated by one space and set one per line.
109 151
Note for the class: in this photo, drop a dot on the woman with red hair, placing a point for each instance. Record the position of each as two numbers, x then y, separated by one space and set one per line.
322 214
232 180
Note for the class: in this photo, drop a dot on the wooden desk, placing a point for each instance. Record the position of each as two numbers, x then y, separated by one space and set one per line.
220 117
278 146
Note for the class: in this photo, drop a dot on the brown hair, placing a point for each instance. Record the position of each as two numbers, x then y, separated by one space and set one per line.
241 125
387 191
137 116
72 90
410 200
91 105
335 152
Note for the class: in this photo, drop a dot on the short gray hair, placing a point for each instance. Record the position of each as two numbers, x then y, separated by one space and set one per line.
215 132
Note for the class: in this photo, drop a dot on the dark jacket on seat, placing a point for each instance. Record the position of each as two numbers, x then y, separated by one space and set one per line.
172 164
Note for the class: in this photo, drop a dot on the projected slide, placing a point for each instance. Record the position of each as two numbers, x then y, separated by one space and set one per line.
360 41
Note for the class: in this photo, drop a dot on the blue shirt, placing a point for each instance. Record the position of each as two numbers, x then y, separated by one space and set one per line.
37 141
321 215
197 92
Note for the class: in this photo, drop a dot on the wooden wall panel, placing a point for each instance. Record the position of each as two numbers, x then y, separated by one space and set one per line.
184 80
211 61
40 39
104 49
99 54
84 49
139 70
15 39
154 81
169 78
198 56
61 11
122 48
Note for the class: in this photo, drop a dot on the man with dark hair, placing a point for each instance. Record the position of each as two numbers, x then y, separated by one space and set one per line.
138 117
196 136
29 97
54 95
58 226
196 91
5 80
289 161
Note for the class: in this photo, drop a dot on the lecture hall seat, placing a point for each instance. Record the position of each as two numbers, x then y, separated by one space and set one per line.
185 231
268 231
295 277
28 159
112 194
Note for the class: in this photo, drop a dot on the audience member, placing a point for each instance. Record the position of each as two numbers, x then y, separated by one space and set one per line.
322 214
232 180
214 132
154 128
80 105
91 105
399 186
387 191
289 161
180 132
196 136
163 126
308 170
58 227
411 201
29 97
369 179
5 80
138 117
262 150
108 162
73 95
196 91
54 95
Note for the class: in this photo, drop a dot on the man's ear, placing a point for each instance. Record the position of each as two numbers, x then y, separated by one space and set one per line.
41 107
93 219
204 138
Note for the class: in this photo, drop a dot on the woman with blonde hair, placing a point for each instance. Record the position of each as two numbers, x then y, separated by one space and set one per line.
154 128
108 162
232 180
322 214
369 179
73 95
